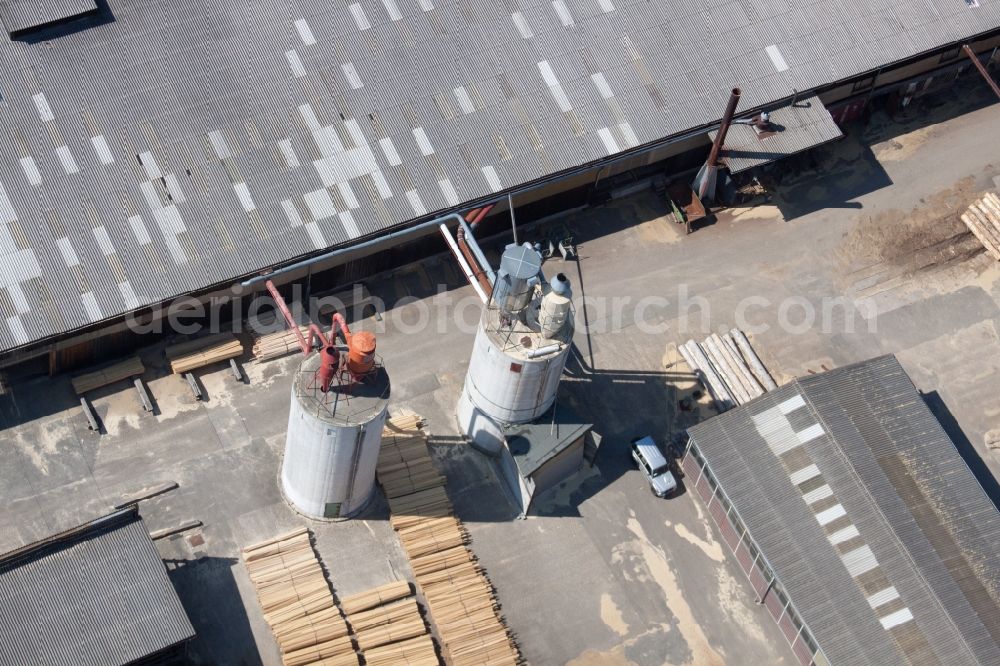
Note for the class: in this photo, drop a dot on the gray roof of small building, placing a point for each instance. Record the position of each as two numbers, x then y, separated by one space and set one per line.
178 145
531 445
931 531
93 596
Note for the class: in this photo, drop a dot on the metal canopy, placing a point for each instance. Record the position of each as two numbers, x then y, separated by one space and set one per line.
799 126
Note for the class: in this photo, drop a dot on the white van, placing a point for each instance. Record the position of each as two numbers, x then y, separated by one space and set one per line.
650 460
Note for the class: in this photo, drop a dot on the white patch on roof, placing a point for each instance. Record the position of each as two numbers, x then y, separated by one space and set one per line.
292 213
104 241
42 104
464 101
423 142
562 11
883 597
102 149
320 204
631 140
381 184
91 306
17 330
358 12
859 561
66 158
522 25
315 235
243 194
351 74
7 213
609 140
415 203
31 170
173 188
425 5
548 75
67 252
17 296
831 514
309 117
810 433
298 71
139 229
392 9
148 163
816 495
128 295
305 32
448 190
602 85
328 141
842 535
606 6
170 223
350 226
348 195
219 144
492 178
391 156
288 152
151 195
895 619
804 474
776 58
354 129
790 405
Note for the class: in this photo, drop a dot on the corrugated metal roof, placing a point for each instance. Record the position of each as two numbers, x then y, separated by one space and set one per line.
280 83
20 15
869 517
799 126
96 595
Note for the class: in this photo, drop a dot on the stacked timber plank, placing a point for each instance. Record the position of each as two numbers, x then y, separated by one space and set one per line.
389 628
983 219
461 601
297 602
186 356
729 368
108 375
278 344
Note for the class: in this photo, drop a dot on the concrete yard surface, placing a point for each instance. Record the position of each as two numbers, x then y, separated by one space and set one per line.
859 253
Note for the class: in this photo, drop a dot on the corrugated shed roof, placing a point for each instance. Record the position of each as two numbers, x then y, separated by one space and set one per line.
868 515
96 595
272 130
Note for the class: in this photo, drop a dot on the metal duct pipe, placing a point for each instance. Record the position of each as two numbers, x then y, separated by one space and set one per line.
314 330
470 256
543 351
470 276
982 70
727 120
474 245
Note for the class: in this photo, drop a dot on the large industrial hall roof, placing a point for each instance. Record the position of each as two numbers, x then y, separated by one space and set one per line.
97 594
154 149
871 521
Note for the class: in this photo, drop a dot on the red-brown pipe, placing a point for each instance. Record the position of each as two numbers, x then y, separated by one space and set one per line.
483 212
982 70
283 307
477 270
727 120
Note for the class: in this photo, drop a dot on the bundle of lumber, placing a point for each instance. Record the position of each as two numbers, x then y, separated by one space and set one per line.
191 354
982 218
280 343
460 600
94 379
729 368
297 602
389 628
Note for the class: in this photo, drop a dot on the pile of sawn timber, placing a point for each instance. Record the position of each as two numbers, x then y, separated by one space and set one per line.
983 219
280 343
388 627
460 600
297 602
186 356
729 368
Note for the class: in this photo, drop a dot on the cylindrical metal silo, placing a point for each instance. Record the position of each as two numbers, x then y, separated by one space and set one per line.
513 375
333 442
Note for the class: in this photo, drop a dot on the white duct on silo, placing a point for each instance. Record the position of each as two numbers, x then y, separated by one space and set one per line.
332 445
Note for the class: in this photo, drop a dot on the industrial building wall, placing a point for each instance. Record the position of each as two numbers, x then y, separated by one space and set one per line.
699 479
561 466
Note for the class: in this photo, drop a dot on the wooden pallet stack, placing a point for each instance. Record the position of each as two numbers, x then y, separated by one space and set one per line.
297 602
982 218
460 599
388 627
729 368
89 381
191 354
278 344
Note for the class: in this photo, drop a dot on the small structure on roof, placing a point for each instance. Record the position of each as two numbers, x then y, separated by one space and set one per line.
857 521
97 594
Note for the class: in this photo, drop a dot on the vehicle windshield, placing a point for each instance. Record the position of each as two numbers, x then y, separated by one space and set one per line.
661 469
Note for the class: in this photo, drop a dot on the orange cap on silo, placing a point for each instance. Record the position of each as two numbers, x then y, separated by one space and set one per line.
361 354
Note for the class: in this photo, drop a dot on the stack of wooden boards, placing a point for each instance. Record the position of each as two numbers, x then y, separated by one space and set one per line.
388 627
297 602
280 343
983 220
729 368
460 600
186 356
89 381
